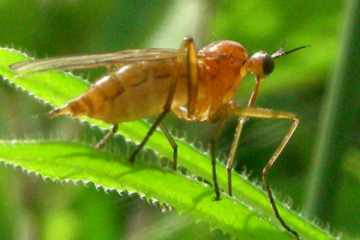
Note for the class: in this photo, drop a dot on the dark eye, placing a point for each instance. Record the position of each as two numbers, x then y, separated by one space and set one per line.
268 65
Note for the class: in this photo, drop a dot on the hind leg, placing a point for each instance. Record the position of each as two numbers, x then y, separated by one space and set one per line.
237 135
106 138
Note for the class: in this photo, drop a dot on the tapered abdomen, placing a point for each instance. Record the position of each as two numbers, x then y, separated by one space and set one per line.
141 89
133 92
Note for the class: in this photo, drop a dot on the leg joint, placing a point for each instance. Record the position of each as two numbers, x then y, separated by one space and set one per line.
188 39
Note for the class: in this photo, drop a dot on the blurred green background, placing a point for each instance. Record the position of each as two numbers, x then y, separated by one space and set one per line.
31 208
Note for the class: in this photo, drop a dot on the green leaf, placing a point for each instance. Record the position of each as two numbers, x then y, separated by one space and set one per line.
56 88
77 163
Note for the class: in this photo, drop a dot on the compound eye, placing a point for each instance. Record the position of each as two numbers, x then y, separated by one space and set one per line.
268 65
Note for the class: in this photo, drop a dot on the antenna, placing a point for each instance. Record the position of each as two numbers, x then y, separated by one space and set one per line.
281 52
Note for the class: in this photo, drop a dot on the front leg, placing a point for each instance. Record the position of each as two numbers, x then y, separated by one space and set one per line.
263 113
237 135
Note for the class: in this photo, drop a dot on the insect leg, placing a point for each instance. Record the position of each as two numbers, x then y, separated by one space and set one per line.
188 57
264 113
233 148
167 108
213 143
172 143
237 135
148 135
110 133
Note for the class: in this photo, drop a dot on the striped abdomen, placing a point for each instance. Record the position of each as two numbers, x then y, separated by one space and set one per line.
133 92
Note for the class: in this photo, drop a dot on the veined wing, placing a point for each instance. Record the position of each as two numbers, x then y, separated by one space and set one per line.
95 60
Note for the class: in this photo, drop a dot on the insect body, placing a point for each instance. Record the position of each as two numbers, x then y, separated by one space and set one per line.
131 92
138 90
194 85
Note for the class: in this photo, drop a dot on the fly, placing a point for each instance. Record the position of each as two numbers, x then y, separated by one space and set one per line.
194 85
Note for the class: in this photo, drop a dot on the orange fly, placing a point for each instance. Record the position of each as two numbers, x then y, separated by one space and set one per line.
194 85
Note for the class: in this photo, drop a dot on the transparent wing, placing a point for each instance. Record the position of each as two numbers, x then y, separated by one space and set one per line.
96 60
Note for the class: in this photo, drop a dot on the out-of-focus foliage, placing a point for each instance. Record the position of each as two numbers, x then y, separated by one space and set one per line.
332 144
38 210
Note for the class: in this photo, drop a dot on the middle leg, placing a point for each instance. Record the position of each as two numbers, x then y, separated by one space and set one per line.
167 108
184 49
237 135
